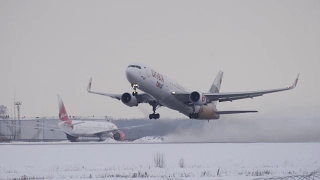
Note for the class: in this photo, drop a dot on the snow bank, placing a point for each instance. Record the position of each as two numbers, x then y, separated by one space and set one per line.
150 139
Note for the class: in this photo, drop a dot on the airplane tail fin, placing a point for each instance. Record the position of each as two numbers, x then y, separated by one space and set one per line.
63 116
215 87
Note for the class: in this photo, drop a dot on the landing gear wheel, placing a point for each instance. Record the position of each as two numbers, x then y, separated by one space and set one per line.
193 115
134 86
154 116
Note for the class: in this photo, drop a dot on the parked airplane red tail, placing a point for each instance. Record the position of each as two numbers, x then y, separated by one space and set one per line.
62 110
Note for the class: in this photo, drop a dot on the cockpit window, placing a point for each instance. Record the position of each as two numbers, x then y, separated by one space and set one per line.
135 66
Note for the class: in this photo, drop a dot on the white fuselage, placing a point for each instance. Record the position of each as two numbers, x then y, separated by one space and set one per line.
86 128
161 87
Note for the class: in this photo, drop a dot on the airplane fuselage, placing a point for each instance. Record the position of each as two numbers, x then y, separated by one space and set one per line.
86 128
161 88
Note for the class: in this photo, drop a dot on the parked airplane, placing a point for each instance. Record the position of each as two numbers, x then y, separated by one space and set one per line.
79 128
160 90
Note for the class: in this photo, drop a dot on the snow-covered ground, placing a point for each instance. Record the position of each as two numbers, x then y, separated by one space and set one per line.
84 160
149 139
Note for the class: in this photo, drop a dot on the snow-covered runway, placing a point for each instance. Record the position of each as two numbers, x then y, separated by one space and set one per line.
65 160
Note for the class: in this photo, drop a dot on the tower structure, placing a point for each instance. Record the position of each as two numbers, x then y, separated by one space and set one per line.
18 104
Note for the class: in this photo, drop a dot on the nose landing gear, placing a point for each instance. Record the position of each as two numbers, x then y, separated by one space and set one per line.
134 86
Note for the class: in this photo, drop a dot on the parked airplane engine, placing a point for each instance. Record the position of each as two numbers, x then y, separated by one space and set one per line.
197 98
129 100
119 136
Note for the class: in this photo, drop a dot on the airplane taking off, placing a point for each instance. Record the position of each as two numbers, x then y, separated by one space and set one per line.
160 90
79 128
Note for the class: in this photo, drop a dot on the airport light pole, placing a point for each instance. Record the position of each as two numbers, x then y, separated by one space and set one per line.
18 104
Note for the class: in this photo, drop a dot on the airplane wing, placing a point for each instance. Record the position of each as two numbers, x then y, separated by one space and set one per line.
141 97
115 96
222 97
69 125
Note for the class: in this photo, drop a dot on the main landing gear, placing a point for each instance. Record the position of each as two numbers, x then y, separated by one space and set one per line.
134 86
154 115
193 115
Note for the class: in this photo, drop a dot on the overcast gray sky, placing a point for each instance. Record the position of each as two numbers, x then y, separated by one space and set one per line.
54 47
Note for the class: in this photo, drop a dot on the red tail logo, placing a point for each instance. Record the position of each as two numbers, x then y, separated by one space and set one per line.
62 110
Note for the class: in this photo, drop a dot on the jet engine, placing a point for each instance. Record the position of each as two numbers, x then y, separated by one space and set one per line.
197 98
129 100
118 136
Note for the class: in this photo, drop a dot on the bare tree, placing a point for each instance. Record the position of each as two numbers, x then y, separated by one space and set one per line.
181 163
159 160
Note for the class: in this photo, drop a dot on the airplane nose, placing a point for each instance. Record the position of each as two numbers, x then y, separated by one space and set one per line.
129 74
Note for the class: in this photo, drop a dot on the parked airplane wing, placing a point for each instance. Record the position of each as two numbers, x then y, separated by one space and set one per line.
118 129
34 127
141 97
69 125
130 127
184 97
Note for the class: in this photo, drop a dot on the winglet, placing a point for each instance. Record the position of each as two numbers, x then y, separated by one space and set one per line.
295 82
89 85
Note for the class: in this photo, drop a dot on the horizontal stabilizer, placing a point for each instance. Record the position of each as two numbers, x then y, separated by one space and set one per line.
234 112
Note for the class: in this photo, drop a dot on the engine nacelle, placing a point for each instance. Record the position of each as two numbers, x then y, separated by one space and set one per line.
118 136
129 100
197 98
